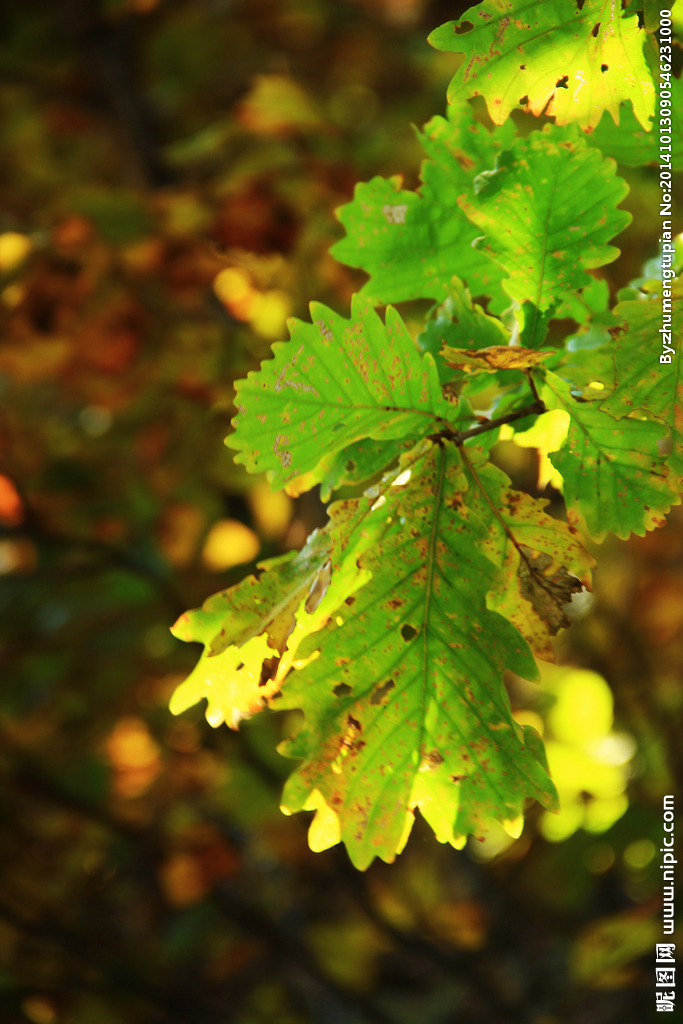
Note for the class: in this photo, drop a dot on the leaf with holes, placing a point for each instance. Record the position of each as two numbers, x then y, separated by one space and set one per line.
404 705
547 213
556 57
334 383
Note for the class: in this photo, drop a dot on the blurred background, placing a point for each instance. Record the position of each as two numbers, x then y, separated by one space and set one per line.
169 174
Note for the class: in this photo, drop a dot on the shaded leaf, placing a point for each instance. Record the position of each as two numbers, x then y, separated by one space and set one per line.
643 382
614 478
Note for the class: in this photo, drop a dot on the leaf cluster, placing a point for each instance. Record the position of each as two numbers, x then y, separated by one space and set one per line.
393 627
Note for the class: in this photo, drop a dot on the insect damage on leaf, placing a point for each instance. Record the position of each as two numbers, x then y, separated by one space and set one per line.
568 60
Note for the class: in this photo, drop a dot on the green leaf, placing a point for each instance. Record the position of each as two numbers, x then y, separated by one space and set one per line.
335 382
643 382
412 244
548 211
543 560
404 706
550 57
614 478
351 467
584 304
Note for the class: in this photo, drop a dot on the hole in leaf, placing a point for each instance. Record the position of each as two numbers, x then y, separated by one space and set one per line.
524 101
604 67
408 632
561 83
463 27
350 466
350 601
268 670
338 426
342 690
596 29
380 692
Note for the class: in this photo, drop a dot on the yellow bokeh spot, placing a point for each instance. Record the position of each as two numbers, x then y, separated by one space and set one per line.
272 510
182 880
12 295
134 756
229 543
232 285
38 1010
601 814
556 827
14 248
269 313
583 710
588 763
574 771
639 854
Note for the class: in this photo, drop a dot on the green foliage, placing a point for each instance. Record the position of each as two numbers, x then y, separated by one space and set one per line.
412 244
534 228
393 628
571 61
334 383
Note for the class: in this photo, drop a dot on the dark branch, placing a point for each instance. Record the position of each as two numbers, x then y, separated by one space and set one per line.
460 436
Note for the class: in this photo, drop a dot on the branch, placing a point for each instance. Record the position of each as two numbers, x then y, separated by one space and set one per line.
460 436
